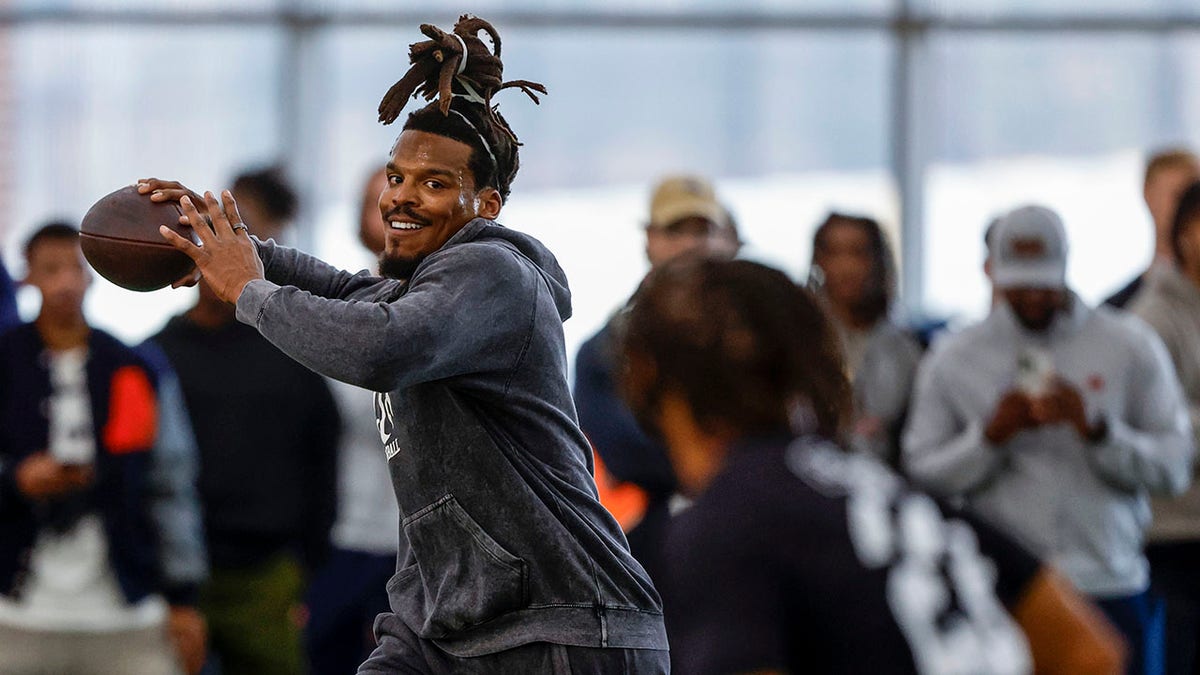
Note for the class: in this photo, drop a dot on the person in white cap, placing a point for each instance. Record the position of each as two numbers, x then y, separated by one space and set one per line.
1055 421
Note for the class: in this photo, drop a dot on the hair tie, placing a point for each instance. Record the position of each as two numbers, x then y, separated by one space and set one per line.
462 64
470 95
486 145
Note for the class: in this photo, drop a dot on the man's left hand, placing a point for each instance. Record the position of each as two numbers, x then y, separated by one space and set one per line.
226 257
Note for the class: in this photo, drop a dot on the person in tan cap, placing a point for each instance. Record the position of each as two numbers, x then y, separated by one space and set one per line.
685 218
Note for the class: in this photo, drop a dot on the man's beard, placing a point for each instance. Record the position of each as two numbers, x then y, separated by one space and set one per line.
396 267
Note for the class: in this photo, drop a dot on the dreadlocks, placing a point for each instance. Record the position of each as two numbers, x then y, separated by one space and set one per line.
462 74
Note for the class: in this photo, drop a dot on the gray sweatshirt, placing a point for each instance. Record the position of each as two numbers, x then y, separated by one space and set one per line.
882 378
508 541
1079 505
1170 303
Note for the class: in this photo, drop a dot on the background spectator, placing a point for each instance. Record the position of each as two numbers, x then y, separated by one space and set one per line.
1168 174
1055 421
97 521
267 430
1170 302
853 272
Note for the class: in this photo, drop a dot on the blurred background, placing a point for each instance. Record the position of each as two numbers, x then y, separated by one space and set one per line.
930 115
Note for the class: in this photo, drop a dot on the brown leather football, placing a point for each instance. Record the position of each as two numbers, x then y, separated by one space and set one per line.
120 239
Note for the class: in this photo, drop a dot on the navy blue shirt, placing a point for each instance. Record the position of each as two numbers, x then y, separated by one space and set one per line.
801 558
627 452
8 300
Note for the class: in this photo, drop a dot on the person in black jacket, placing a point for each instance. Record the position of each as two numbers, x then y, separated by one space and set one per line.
267 429
98 557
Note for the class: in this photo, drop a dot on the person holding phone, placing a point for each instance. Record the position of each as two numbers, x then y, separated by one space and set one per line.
89 582
1056 422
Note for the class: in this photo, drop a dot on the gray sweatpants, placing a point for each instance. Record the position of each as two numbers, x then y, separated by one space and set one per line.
401 652
136 652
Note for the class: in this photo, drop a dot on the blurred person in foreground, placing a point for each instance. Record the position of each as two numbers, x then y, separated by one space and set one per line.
633 472
797 556
1170 302
267 431
349 591
853 273
1056 421
99 549
1168 174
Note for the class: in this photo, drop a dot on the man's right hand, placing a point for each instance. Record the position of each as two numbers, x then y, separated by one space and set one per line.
41 476
160 191
1013 414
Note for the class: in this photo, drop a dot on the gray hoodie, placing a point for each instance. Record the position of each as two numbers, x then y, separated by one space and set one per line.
1082 506
509 543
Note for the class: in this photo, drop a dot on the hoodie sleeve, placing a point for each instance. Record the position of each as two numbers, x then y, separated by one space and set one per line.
942 451
469 309
1150 447
289 267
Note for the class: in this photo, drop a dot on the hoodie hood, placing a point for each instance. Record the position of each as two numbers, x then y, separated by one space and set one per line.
481 229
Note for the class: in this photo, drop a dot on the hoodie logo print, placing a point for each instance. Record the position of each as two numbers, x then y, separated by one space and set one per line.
384 420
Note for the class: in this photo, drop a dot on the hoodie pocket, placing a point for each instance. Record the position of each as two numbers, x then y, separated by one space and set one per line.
466 576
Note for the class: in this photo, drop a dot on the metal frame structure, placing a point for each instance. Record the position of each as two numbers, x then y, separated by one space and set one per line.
908 25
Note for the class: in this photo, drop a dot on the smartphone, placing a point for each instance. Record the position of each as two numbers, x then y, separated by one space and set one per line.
1035 371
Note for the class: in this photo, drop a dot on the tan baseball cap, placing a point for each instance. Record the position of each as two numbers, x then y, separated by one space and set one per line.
684 196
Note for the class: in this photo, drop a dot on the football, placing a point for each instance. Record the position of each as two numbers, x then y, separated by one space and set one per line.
120 239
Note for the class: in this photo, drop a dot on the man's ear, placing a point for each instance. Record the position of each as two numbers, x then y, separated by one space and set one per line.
489 203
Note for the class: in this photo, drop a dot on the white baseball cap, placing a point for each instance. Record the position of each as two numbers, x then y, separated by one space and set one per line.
1029 249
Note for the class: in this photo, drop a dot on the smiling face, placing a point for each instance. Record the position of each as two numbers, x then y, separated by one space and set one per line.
430 195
